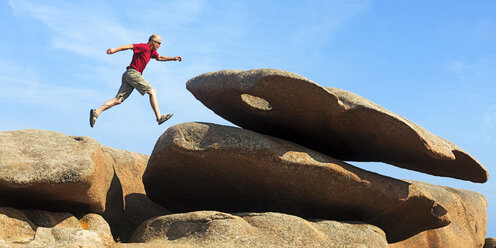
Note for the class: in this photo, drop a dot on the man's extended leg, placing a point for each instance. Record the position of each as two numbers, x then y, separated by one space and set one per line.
94 113
154 103
109 104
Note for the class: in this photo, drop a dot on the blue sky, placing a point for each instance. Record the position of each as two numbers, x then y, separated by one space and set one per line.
433 62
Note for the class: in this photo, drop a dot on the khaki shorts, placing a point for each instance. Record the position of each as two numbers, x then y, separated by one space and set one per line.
132 79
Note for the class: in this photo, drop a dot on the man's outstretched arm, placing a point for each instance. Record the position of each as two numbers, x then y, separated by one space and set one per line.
165 58
121 48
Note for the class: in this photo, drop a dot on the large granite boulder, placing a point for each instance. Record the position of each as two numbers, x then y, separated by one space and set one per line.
49 170
468 215
216 229
200 166
329 120
38 228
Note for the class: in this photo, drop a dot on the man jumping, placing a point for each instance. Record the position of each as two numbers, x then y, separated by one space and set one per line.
133 79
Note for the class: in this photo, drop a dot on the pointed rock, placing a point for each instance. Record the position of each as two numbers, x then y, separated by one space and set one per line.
200 166
329 120
468 214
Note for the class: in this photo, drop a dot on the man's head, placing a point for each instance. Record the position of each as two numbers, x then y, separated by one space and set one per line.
154 41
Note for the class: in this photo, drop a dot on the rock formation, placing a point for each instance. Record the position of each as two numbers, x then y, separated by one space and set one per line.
36 228
281 182
127 203
49 170
196 166
216 229
329 120
467 212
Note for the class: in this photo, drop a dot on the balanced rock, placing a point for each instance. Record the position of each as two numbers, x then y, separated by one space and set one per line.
199 166
49 170
216 229
468 215
329 120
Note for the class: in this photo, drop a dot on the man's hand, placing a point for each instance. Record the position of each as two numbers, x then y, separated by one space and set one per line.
165 58
121 48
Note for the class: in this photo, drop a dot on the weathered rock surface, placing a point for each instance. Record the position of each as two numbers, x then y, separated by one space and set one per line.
37 228
49 170
329 120
15 226
216 229
468 215
490 243
199 166
155 245
127 203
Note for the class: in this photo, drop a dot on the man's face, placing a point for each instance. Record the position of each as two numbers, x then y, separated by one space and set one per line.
155 43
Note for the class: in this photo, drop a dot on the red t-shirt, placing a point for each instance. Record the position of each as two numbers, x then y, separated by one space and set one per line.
141 56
